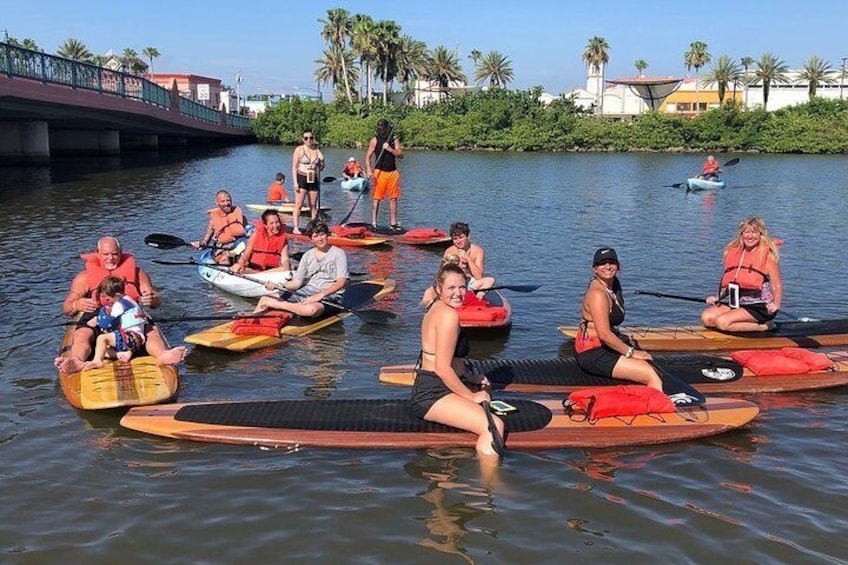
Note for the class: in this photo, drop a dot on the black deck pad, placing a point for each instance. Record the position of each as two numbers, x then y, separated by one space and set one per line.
564 371
801 329
379 230
390 416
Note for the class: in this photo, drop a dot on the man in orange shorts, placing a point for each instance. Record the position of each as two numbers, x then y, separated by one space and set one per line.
386 178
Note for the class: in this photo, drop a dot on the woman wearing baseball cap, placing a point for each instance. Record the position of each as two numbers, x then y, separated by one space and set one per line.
600 350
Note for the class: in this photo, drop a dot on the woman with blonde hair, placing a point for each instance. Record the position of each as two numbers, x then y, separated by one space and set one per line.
750 292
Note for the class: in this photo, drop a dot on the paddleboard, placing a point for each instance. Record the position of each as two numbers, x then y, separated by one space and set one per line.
357 295
697 338
357 424
709 375
358 241
117 384
497 316
413 236
284 208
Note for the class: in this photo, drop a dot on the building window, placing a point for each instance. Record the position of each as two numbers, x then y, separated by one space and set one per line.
684 107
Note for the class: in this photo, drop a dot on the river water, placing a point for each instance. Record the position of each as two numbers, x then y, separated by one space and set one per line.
76 487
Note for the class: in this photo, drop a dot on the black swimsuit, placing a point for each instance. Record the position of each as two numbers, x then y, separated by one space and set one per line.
429 387
601 360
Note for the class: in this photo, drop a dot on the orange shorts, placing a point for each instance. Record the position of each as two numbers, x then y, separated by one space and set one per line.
386 183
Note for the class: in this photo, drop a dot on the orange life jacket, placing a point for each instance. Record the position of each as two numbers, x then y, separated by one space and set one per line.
227 227
353 169
270 324
266 248
746 268
126 270
621 400
711 167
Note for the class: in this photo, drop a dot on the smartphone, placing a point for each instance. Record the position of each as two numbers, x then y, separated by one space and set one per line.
501 408
733 295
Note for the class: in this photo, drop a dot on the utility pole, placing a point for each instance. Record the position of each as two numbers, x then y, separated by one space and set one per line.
842 77
238 93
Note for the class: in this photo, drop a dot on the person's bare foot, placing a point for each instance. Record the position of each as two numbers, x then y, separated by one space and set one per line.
172 356
124 356
93 364
68 365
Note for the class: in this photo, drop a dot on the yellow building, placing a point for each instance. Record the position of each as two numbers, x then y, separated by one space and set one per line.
686 101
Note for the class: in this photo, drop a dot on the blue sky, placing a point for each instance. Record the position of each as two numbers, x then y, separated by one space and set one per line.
274 44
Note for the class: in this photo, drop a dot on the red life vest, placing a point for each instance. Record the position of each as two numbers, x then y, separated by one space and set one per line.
349 231
786 361
474 309
227 227
126 270
266 248
621 400
711 167
746 268
270 324
353 169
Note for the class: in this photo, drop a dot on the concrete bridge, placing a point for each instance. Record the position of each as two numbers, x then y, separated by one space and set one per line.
50 106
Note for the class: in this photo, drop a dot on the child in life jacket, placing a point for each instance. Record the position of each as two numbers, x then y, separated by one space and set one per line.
122 322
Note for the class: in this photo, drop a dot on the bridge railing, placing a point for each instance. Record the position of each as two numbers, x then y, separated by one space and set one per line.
26 63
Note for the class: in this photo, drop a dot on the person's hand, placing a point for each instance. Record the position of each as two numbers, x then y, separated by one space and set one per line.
271 286
237 267
148 297
480 397
386 146
85 305
771 307
485 384
641 354
195 244
313 298
712 300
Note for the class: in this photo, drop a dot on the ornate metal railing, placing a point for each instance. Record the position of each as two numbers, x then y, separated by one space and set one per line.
19 62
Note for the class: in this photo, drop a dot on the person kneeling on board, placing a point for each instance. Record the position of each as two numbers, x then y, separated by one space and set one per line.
471 259
320 278
267 249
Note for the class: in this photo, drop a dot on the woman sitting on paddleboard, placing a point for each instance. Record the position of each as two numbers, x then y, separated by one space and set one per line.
750 284
439 393
600 351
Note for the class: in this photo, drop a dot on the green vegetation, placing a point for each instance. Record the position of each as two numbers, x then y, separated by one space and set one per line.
508 120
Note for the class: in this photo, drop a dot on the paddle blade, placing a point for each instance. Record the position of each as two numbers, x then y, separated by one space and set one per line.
165 241
378 317
732 162
675 185
329 179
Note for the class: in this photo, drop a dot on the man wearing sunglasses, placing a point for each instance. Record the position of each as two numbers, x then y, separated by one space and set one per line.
386 178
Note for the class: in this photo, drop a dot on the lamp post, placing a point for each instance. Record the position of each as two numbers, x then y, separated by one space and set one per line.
842 77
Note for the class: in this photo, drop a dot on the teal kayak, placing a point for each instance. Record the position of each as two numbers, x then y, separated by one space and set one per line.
703 184
356 185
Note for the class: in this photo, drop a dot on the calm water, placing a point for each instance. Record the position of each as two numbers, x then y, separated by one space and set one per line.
76 487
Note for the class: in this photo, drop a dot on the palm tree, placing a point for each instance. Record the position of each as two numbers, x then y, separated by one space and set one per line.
723 72
128 58
363 41
75 50
640 65
338 68
596 55
29 44
443 67
386 41
411 60
697 57
770 70
816 71
336 32
495 68
475 56
151 53
747 62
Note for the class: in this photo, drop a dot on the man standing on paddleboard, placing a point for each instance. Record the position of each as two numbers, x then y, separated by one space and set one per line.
386 177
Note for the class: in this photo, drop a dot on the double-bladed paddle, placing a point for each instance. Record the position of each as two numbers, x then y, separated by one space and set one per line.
192 261
513 287
165 241
380 317
730 163
233 316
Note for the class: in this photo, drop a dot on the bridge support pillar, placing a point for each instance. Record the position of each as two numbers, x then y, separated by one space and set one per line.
133 142
24 142
173 141
85 142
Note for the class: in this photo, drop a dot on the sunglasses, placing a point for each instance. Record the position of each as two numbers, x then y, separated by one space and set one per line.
307 137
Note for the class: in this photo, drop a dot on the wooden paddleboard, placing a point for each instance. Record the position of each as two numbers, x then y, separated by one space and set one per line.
220 337
284 208
538 424
140 382
710 375
697 338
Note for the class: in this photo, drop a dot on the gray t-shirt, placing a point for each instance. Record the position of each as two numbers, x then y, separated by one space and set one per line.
318 274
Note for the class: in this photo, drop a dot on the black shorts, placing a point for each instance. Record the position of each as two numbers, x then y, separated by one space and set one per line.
427 390
759 312
599 361
312 186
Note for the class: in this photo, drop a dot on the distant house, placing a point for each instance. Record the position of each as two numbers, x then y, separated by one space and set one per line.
201 89
427 91
115 62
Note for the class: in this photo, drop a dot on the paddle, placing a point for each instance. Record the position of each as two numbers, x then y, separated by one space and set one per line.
730 163
295 256
165 241
380 317
498 443
513 287
234 316
382 150
329 180
703 301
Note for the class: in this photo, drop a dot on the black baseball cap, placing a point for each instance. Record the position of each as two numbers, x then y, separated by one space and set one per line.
383 123
603 255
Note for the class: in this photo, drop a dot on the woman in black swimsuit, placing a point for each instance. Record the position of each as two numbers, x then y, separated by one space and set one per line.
439 394
600 350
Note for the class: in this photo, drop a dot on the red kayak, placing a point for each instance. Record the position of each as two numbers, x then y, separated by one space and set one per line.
491 313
